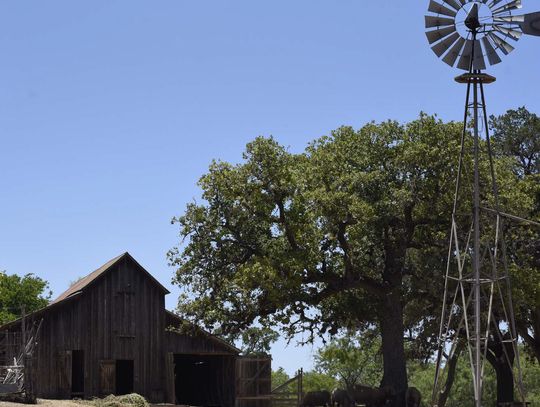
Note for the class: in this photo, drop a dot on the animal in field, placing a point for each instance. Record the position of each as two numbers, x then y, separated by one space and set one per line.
340 398
316 399
371 396
413 397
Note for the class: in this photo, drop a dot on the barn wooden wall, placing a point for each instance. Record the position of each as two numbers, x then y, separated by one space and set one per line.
121 317
219 385
196 341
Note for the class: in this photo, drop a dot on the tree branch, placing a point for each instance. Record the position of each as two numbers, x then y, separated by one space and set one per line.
334 288
344 244
283 220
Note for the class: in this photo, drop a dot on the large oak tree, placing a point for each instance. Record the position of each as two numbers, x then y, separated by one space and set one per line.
350 234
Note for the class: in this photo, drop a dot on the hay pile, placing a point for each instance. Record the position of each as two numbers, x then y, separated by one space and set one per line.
128 400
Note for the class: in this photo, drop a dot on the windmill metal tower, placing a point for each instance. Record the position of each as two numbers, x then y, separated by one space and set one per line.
477 304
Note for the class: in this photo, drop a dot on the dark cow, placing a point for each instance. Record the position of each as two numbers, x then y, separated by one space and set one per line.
340 398
316 399
413 397
371 396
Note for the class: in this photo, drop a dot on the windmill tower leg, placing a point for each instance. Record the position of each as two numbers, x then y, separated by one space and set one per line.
477 302
476 292
474 80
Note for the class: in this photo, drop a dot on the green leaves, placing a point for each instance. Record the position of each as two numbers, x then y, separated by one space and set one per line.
316 242
516 134
352 360
421 376
29 292
517 142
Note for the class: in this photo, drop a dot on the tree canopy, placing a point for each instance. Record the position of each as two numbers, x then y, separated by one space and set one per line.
351 360
517 136
17 293
350 234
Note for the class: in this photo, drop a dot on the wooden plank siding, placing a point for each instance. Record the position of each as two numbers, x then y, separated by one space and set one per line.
254 381
118 315
118 319
196 342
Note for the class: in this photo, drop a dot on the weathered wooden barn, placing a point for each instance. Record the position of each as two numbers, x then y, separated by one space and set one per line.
110 333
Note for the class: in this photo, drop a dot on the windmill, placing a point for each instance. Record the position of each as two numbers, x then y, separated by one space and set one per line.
477 302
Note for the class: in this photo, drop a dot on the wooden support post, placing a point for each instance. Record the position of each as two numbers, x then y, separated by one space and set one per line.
170 379
300 386
29 394
23 328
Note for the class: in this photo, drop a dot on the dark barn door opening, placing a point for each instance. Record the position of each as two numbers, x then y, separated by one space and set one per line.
77 373
124 377
204 380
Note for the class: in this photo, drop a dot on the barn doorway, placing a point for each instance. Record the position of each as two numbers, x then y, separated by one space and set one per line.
204 380
77 373
124 377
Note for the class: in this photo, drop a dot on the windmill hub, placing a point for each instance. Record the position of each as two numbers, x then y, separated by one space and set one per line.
475 17
473 23
476 32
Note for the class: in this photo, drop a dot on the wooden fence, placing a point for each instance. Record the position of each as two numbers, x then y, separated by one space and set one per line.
16 361
290 393
254 385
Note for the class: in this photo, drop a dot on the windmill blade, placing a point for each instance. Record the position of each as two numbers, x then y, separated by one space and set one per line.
509 19
437 8
452 55
494 3
465 59
441 47
513 5
440 33
473 13
454 4
432 21
510 33
505 24
491 54
500 43
479 61
531 24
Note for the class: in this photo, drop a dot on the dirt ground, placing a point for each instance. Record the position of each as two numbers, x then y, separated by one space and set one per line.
42 402
56 403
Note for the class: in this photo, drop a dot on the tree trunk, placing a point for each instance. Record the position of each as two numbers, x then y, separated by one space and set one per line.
501 356
451 374
393 349
505 383
532 341
530 331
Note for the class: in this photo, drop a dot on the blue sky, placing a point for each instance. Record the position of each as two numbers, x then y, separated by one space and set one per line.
110 110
